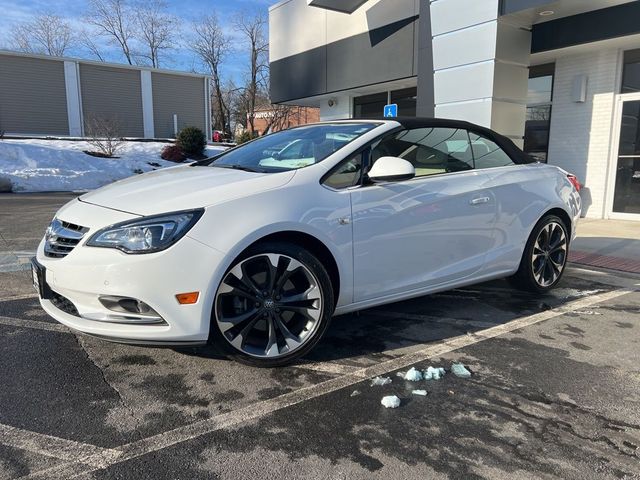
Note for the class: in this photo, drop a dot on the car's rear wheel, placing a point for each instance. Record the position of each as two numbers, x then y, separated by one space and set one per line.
273 305
545 256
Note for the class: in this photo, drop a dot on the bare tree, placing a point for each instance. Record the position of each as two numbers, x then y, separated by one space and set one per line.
85 39
211 46
252 26
46 34
115 20
156 29
105 134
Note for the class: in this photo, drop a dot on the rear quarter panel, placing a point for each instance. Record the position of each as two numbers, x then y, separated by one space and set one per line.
524 193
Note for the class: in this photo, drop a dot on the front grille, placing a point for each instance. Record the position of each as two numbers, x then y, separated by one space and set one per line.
64 304
62 237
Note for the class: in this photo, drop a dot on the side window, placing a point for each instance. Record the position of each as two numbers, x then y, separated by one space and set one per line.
347 174
430 150
487 154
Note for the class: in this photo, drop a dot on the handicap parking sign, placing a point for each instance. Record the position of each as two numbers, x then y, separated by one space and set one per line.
391 110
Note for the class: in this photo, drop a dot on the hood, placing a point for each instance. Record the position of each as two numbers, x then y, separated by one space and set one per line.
182 188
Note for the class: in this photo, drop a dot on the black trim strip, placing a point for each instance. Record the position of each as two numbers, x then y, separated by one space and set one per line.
380 55
613 22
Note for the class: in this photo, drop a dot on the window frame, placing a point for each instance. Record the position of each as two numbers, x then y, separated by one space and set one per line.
365 150
538 71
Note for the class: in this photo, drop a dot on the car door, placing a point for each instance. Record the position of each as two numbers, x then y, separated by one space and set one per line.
433 229
522 194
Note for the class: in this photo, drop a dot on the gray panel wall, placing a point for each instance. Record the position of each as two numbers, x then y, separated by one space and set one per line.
183 96
33 99
381 55
113 93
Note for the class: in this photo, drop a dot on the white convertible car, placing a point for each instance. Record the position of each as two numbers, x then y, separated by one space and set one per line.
256 249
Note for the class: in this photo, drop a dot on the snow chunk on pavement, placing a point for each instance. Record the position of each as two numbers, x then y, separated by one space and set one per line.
459 370
355 393
413 375
380 381
390 402
434 373
422 393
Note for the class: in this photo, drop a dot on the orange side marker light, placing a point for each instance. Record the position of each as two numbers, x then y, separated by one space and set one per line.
187 298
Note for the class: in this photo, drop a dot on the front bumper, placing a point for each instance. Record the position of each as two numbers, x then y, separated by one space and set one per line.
87 273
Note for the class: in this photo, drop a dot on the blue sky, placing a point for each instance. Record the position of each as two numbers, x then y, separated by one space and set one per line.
17 11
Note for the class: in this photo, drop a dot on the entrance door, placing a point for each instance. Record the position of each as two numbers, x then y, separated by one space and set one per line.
626 189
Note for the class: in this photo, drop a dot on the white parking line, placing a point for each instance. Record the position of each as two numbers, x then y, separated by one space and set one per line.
23 296
21 323
260 409
50 446
328 367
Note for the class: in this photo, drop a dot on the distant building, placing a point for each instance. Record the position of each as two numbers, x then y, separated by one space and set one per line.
275 118
54 96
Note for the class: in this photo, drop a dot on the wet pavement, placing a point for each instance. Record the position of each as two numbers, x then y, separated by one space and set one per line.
555 390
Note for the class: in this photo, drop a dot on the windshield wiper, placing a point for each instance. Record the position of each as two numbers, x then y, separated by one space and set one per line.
236 167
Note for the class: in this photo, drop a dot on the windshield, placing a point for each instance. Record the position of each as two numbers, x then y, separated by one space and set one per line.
292 149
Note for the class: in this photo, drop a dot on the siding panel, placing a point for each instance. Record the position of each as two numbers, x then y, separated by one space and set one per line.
110 92
33 99
183 96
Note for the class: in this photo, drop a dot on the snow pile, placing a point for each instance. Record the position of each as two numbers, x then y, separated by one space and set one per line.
422 393
39 165
390 402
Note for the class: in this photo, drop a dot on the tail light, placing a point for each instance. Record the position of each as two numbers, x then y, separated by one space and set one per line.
574 181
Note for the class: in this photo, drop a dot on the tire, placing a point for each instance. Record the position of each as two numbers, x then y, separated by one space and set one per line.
273 305
545 256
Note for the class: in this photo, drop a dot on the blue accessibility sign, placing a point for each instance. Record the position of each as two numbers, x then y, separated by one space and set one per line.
391 110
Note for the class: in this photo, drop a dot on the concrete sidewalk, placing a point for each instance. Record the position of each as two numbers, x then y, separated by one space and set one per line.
613 244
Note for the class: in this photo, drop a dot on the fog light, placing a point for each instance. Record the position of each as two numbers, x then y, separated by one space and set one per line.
127 305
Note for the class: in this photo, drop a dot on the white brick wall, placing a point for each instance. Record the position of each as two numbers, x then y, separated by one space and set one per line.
580 137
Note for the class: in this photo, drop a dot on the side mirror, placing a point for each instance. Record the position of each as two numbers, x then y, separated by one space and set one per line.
391 169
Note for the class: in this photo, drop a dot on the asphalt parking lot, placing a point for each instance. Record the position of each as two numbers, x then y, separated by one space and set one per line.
555 390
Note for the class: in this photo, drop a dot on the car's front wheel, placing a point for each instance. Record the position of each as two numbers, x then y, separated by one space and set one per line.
545 256
273 305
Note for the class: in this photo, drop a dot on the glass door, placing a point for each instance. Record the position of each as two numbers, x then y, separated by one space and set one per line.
626 192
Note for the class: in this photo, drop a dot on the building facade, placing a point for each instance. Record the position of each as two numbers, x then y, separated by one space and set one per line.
52 96
561 78
271 119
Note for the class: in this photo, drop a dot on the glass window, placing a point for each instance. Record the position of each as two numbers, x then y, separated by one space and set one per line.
347 174
430 150
631 72
291 149
538 119
406 101
487 154
369 105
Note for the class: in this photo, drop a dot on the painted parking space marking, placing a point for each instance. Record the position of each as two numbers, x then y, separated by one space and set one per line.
21 323
50 446
23 296
263 408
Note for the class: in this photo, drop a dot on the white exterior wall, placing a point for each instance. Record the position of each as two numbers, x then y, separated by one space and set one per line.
340 110
581 133
480 65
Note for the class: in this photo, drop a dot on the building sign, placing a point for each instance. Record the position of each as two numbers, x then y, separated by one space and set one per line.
391 110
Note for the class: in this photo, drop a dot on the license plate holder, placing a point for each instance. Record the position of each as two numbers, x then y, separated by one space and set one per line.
39 279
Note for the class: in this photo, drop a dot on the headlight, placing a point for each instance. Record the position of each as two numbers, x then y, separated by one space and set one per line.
148 234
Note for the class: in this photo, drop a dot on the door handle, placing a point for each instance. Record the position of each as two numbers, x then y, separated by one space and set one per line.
479 200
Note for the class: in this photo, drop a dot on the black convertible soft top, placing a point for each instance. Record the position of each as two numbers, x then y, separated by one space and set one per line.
516 154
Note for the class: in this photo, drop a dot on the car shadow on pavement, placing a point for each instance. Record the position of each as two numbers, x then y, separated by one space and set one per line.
364 338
